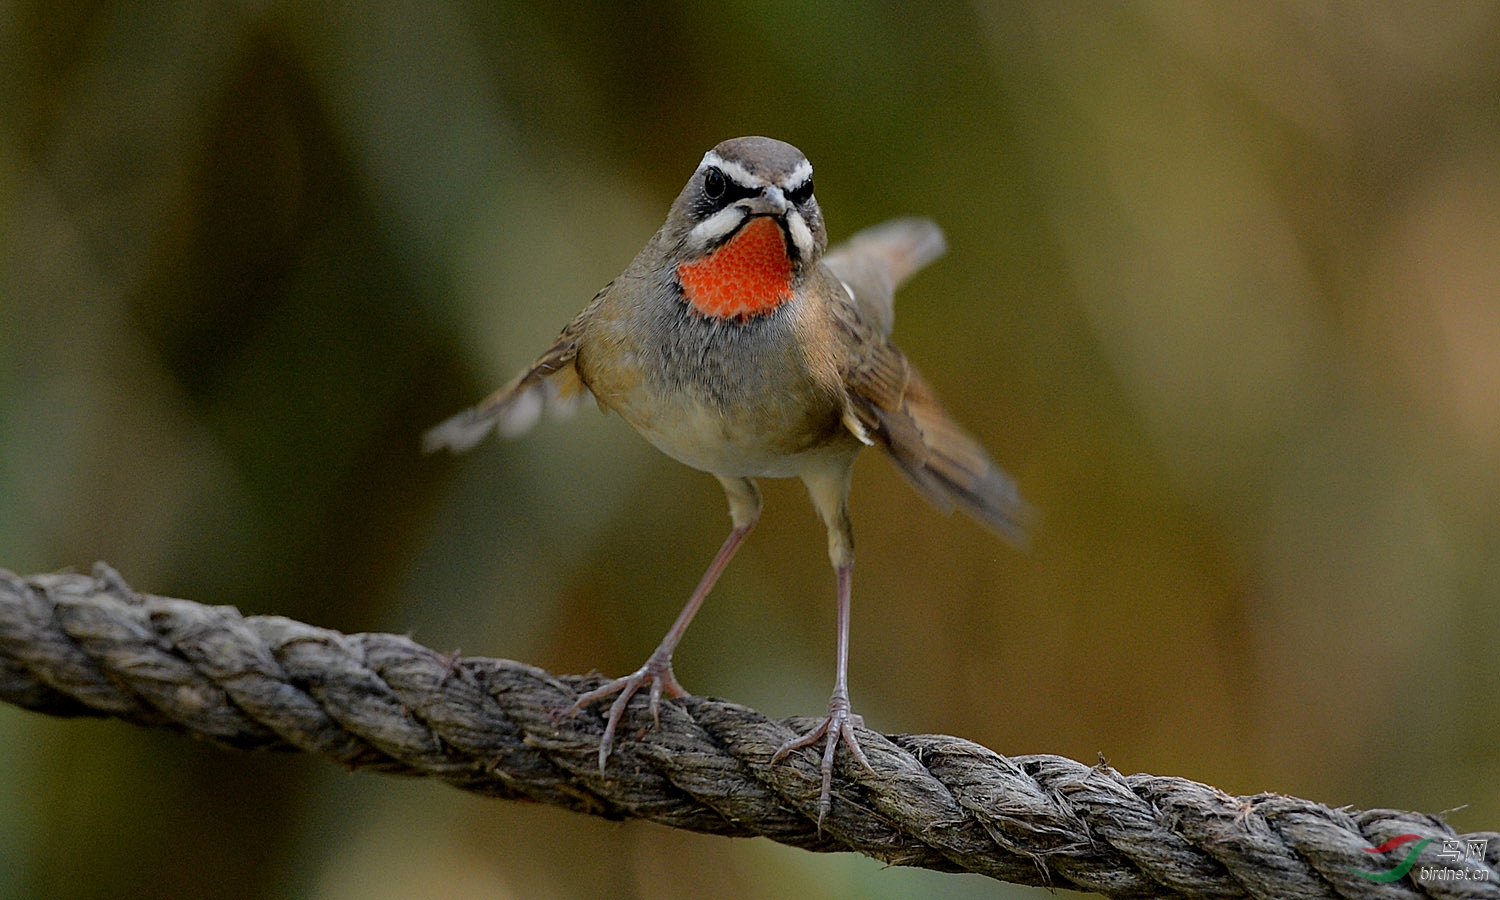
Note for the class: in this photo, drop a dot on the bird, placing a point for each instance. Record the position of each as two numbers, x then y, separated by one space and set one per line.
740 344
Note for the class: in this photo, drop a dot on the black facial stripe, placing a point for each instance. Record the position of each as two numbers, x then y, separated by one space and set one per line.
728 190
800 194
733 191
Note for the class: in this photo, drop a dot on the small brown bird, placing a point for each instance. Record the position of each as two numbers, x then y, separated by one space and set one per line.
736 345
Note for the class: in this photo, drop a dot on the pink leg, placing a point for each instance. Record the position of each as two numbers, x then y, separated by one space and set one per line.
744 504
841 721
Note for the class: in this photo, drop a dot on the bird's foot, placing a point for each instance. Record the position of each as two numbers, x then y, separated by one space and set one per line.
657 672
838 726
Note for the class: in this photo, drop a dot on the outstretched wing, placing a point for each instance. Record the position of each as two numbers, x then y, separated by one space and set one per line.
887 402
891 405
876 261
550 382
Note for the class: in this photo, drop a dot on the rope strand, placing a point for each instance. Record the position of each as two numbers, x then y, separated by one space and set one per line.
81 645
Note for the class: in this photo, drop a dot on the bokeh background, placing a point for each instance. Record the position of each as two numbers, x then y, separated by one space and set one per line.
1223 294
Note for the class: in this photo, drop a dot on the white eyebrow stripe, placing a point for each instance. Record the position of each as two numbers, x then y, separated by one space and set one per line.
798 176
741 175
736 172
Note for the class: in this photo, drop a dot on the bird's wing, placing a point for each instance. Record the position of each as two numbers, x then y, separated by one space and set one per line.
887 402
876 261
550 383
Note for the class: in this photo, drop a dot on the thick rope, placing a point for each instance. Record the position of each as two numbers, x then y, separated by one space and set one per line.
76 645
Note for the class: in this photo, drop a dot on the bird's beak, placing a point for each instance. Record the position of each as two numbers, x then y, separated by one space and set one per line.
769 202
772 201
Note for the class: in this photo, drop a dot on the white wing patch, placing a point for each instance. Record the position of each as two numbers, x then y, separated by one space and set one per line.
857 428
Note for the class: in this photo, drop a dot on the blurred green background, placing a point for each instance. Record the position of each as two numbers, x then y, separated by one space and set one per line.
1223 294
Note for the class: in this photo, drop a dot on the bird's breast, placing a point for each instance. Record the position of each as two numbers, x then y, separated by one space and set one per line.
731 397
749 276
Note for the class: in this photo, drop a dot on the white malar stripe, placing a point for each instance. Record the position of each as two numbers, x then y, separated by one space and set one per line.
798 176
801 234
736 172
716 226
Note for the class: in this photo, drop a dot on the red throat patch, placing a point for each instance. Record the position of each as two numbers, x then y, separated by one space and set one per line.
748 276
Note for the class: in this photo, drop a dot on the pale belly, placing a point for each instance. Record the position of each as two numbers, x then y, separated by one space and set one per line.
732 400
754 441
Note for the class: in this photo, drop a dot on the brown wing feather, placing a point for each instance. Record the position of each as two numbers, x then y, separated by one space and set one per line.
900 412
887 400
962 466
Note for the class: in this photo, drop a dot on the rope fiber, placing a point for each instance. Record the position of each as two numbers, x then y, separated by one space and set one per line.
89 645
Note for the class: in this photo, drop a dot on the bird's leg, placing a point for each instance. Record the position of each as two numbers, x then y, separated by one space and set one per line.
841 721
744 510
830 492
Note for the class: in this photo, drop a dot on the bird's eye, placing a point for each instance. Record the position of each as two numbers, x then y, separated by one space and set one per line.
801 192
714 183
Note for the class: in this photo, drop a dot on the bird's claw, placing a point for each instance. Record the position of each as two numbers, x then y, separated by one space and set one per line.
657 672
837 726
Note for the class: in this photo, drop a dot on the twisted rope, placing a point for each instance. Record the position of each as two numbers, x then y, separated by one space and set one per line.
76 645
